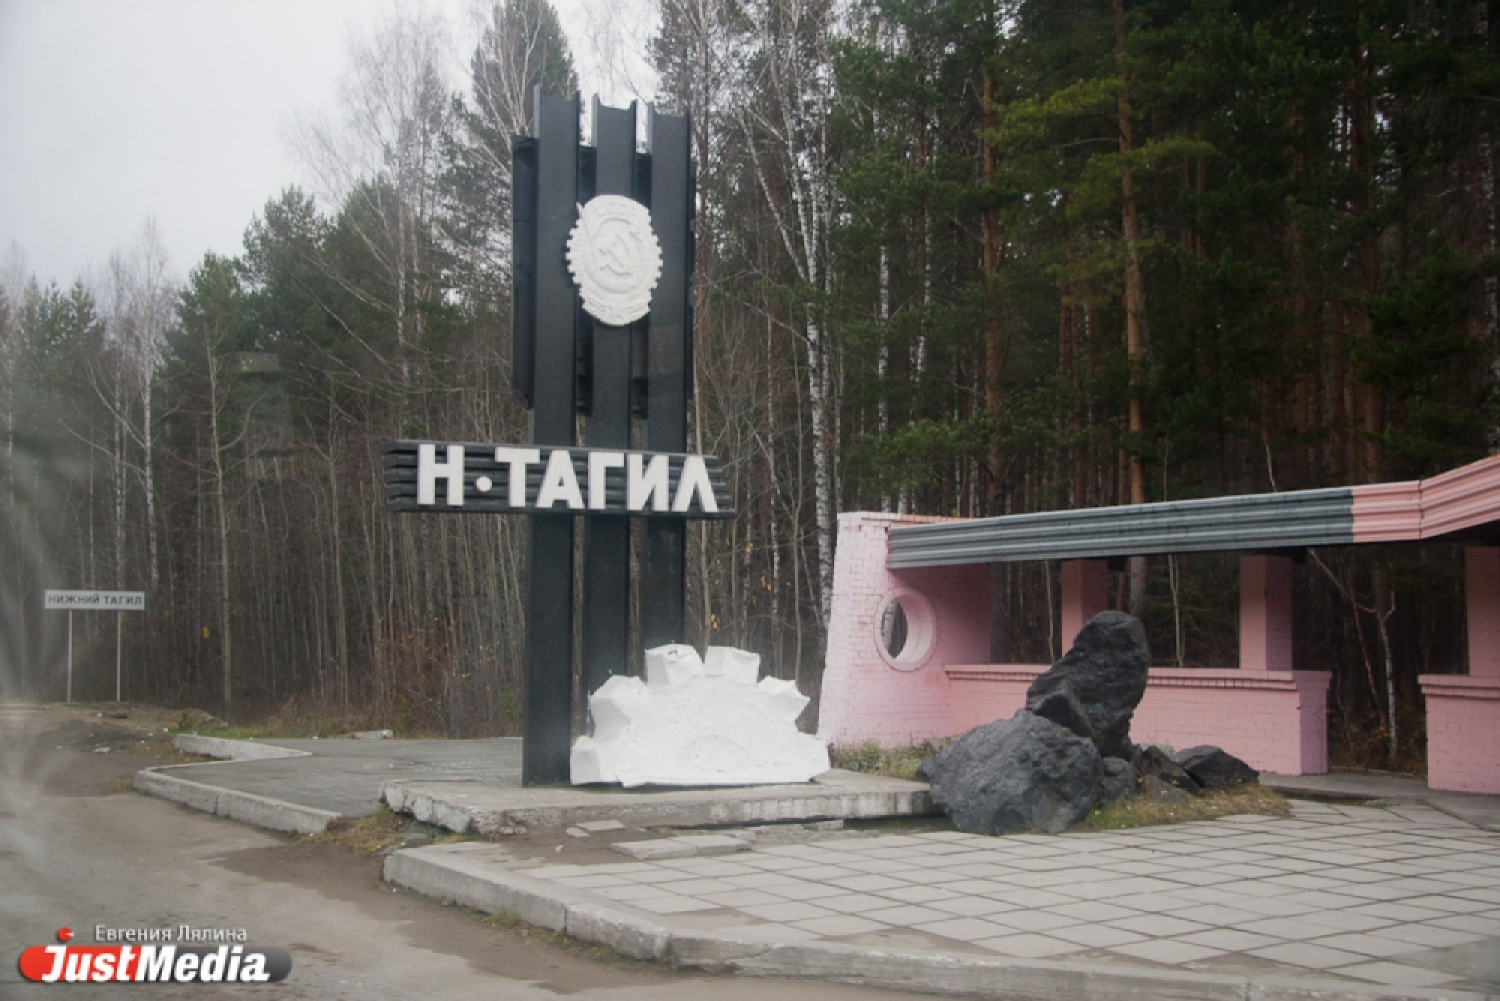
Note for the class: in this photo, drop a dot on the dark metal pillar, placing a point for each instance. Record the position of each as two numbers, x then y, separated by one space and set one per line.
549 607
663 597
563 359
606 575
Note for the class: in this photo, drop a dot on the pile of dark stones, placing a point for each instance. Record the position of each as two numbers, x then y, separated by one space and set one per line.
1070 750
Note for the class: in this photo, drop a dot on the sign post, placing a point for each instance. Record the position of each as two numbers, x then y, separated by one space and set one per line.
601 300
118 602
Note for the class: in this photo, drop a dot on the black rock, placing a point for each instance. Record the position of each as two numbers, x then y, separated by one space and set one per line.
1214 768
1094 689
1014 775
1118 780
1153 762
1153 788
1062 707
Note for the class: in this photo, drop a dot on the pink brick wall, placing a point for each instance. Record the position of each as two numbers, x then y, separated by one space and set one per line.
1463 732
983 693
867 694
1275 721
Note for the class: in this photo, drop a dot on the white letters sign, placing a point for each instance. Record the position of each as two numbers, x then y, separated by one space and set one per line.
97 601
529 479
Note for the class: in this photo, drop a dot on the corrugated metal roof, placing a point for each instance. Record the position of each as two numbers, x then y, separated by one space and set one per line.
1246 522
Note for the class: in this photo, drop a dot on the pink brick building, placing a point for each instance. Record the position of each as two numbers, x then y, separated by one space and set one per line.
920 586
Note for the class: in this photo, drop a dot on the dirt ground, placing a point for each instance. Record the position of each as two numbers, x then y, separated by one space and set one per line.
78 849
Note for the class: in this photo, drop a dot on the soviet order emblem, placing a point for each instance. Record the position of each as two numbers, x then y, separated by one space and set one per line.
615 259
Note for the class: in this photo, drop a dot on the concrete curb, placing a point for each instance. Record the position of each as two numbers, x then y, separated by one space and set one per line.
1479 809
233 750
260 811
472 874
464 805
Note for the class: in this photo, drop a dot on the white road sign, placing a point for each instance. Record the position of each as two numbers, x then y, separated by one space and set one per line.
97 601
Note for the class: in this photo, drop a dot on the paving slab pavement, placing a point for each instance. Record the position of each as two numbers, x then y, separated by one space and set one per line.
1337 901
1340 901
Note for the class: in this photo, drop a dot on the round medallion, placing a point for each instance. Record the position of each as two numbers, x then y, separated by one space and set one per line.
615 259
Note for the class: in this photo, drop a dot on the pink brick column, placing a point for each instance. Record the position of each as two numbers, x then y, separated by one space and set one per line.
1463 713
1265 613
1482 587
1085 593
867 693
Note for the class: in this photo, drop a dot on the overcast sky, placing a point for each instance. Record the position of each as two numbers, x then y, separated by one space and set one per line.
112 111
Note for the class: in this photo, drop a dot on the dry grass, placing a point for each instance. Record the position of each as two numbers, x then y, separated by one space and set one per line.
294 719
1143 812
380 832
892 762
365 835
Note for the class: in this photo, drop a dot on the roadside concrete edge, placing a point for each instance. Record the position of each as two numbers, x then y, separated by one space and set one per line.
463 805
227 749
428 809
233 804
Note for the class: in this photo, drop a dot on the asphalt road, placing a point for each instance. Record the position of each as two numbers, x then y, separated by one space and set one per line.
77 852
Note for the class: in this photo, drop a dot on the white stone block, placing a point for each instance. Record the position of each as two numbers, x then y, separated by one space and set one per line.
583 763
740 666
694 724
672 664
784 696
611 717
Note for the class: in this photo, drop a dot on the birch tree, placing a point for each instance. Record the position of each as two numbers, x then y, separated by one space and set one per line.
142 295
382 161
782 123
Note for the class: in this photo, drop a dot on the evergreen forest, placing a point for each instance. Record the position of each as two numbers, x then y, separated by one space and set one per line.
954 257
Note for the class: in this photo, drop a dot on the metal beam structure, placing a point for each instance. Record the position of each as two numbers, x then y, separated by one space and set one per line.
602 327
1462 504
606 551
1292 520
548 661
669 350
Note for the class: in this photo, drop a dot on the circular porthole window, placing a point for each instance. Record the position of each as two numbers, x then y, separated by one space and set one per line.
905 629
894 629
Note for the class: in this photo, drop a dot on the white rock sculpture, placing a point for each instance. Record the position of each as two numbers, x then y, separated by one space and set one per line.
694 723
